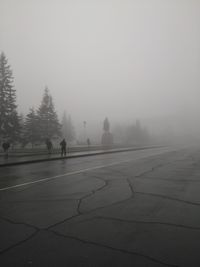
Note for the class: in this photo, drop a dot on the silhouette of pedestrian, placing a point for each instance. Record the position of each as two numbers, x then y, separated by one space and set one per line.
63 145
5 147
88 142
49 145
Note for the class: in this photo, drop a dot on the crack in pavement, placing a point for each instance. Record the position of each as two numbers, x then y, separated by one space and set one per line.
78 209
19 223
114 248
79 213
152 169
36 230
40 200
149 171
153 194
130 186
168 179
187 227
143 222
20 242
101 188
167 197
121 202
106 183
88 212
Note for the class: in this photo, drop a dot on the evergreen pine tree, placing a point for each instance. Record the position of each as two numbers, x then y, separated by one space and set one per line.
48 123
31 129
9 120
21 123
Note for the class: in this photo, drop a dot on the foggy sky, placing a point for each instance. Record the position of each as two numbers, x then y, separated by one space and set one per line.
121 59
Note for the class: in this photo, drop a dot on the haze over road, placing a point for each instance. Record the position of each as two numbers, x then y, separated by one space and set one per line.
139 208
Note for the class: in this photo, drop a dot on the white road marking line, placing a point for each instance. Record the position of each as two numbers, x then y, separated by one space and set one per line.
75 172
62 175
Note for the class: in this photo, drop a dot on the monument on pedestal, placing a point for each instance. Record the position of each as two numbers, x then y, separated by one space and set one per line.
107 137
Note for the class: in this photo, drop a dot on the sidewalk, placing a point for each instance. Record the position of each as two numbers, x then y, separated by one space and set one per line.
34 158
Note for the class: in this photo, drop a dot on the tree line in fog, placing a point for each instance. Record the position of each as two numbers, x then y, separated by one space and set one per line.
43 123
38 125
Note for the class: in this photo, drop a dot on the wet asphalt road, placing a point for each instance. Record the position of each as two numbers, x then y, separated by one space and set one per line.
139 208
15 175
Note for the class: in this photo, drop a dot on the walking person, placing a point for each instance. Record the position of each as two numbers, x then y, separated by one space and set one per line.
6 146
49 145
63 145
88 143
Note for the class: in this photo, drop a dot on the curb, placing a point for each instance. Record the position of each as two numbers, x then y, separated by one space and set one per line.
111 151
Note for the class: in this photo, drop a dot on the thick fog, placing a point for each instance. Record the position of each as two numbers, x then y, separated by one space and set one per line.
128 60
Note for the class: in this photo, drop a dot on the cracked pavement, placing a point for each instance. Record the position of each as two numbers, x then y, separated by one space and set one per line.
138 208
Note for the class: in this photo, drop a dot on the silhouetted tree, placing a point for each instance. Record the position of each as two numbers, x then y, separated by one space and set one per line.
119 132
31 131
48 123
136 134
106 125
68 131
21 123
9 120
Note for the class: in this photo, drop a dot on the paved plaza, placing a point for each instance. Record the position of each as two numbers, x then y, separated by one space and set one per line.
137 208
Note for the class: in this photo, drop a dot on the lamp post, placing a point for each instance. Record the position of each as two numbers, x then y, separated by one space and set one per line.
84 130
